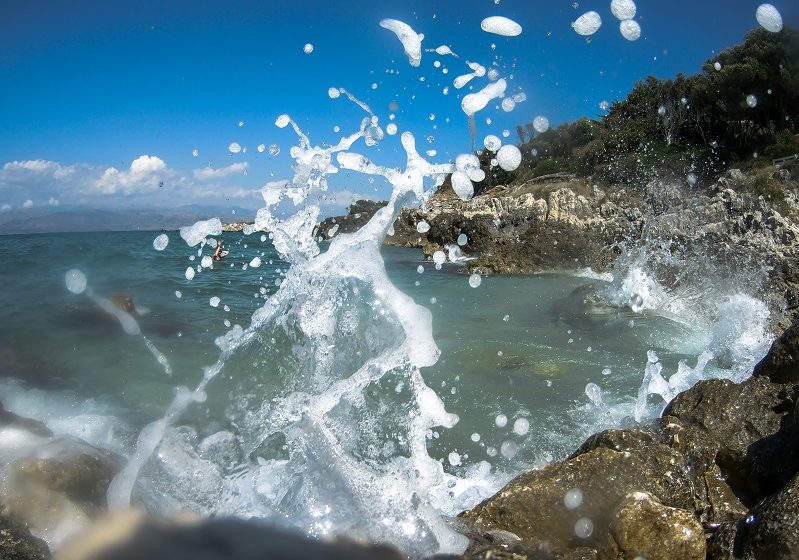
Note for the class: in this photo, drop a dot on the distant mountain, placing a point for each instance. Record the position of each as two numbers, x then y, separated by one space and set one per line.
85 219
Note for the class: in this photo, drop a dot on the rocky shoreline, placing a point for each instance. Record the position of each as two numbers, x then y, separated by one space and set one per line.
716 477
743 226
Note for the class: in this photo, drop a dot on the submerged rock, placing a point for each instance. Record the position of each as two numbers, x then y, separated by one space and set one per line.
33 426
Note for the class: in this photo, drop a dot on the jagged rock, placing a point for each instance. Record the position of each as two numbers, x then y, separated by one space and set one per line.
76 469
359 212
17 543
747 429
643 527
781 364
532 505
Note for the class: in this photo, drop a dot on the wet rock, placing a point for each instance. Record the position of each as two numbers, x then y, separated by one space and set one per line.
747 429
359 212
643 527
33 426
79 471
17 543
781 364
221 448
532 505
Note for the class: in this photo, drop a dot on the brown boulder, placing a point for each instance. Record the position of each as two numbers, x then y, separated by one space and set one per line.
643 527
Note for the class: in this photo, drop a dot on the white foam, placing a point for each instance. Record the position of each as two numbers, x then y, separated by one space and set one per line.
194 234
411 41
474 102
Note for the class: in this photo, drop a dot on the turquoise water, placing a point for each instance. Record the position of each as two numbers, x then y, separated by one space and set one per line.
523 346
530 365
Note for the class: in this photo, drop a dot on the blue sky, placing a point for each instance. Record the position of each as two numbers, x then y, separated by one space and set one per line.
90 87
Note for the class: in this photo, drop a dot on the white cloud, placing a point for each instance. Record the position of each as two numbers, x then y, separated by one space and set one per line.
5 208
209 173
27 204
148 181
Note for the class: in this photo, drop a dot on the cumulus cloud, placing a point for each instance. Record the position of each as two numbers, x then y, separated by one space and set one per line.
148 181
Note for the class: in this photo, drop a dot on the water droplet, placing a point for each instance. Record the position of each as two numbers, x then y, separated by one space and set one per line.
160 242
573 498
214 301
751 100
475 280
636 303
541 124
75 280
273 149
509 449
234 148
769 18
308 48
501 420
521 426
583 528
195 152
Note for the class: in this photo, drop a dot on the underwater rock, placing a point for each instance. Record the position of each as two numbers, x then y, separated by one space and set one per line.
33 426
643 527
83 476
17 543
130 536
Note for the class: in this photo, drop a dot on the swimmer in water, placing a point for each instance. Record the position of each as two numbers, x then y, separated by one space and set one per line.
218 254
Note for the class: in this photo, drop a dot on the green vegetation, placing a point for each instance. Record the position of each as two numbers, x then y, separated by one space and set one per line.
746 111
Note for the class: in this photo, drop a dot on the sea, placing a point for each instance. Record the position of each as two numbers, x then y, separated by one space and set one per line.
292 425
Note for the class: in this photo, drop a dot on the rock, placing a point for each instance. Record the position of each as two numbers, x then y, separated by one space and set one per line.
77 470
781 364
131 536
221 448
747 429
17 543
532 505
642 527
33 426
359 212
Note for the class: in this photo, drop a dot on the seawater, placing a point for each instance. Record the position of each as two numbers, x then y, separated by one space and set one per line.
529 364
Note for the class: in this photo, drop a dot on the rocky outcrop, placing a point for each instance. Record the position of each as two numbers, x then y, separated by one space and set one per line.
716 476
563 222
551 222
359 212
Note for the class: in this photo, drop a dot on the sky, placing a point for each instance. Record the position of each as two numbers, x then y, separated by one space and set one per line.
103 104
